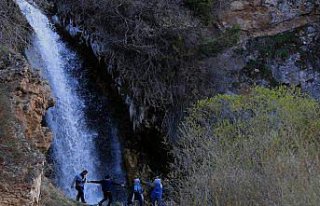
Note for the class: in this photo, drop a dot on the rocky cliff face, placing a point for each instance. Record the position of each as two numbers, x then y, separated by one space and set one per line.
148 48
163 58
268 17
278 44
114 32
24 99
289 58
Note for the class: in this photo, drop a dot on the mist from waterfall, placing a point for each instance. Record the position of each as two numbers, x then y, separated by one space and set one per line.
74 146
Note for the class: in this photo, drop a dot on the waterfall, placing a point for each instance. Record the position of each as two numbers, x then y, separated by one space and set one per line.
74 146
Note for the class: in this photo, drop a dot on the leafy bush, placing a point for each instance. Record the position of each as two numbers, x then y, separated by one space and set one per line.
254 149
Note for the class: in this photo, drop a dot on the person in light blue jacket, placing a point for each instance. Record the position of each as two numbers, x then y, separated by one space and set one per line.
137 193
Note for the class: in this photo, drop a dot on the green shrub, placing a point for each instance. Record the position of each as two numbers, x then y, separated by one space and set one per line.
51 196
201 8
258 69
254 149
211 47
278 46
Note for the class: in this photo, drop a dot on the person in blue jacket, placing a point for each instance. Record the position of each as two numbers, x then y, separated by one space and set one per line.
157 190
78 182
106 186
137 193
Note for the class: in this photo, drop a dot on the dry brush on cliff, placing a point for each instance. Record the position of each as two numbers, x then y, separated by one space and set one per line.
14 29
151 48
159 52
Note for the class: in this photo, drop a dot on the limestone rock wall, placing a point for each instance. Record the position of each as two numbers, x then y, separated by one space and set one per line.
269 17
24 98
290 58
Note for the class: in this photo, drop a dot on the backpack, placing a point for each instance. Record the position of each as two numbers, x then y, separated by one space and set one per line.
106 185
137 188
157 186
79 181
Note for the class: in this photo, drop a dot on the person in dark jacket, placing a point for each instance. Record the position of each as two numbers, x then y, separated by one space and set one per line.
78 182
106 186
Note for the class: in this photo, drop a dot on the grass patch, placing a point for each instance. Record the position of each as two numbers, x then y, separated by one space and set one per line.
51 196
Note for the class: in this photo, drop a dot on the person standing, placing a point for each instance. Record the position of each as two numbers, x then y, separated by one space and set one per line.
137 193
106 186
78 182
156 193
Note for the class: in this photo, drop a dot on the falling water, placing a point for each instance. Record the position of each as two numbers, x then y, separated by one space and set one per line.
75 136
